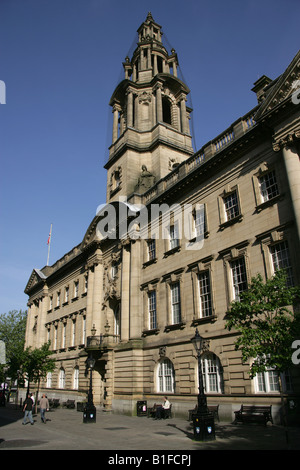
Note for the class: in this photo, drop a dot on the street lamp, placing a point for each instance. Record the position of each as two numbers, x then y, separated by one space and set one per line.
203 420
89 412
198 343
90 365
93 330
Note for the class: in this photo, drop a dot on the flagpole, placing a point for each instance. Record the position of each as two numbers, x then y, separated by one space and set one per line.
48 243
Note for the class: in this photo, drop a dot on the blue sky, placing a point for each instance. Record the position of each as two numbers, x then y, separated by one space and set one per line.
61 60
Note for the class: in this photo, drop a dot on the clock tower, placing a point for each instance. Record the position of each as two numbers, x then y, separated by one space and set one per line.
151 131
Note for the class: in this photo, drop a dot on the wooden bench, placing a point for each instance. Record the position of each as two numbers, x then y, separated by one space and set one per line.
69 404
54 403
214 409
167 413
151 412
254 413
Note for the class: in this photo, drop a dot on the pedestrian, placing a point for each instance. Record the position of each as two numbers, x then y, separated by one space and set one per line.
2 397
28 405
44 406
160 409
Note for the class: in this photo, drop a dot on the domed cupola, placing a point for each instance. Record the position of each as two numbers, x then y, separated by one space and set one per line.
150 115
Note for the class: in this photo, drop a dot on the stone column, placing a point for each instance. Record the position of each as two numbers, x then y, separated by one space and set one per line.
149 58
129 109
97 317
42 331
174 69
28 335
292 165
125 294
115 122
136 311
136 113
134 73
159 114
183 115
89 301
155 69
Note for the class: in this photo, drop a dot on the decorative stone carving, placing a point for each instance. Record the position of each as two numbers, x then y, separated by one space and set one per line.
145 180
286 140
145 97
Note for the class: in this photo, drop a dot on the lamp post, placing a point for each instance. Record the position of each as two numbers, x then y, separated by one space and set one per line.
89 412
203 420
90 365
93 330
198 343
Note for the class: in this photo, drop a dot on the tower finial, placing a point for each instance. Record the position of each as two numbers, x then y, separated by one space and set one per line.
149 17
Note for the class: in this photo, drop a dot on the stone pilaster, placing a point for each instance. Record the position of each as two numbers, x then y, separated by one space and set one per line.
292 164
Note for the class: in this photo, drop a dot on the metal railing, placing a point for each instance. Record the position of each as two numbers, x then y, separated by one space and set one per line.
236 130
101 341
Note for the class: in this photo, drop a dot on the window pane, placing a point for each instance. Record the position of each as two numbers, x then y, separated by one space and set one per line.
205 295
175 299
268 186
200 222
239 277
152 309
212 376
231 206
117 322
261 382
281 260
273 381
151 250
166 376
174 237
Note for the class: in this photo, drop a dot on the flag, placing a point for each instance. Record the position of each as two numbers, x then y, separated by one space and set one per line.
49 238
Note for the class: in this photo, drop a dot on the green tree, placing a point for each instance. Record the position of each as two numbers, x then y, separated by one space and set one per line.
266 323
37 363
12 332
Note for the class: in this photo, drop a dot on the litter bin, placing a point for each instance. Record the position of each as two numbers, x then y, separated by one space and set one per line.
141 408
204 427
89 414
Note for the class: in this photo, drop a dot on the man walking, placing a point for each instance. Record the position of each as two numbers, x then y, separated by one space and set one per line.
28 405
44 406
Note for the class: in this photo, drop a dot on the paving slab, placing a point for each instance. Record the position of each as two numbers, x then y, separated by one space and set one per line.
65 430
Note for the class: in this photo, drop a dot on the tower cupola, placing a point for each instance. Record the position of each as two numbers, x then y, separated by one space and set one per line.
150 57
150 115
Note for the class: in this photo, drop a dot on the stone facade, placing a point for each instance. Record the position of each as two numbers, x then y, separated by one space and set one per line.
134 301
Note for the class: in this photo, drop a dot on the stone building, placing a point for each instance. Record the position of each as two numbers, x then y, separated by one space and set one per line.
143 278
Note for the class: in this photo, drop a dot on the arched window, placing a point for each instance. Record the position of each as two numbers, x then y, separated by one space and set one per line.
117 322
76 378
62 378
212 373
166 377
49 380
166 105
159 64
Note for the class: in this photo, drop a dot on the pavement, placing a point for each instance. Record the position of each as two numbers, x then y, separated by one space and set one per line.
120 435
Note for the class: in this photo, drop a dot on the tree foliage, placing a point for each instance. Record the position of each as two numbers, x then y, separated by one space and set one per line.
37 363
12 332
266 323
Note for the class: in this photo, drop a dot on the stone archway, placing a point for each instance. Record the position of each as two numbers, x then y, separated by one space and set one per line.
99 389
